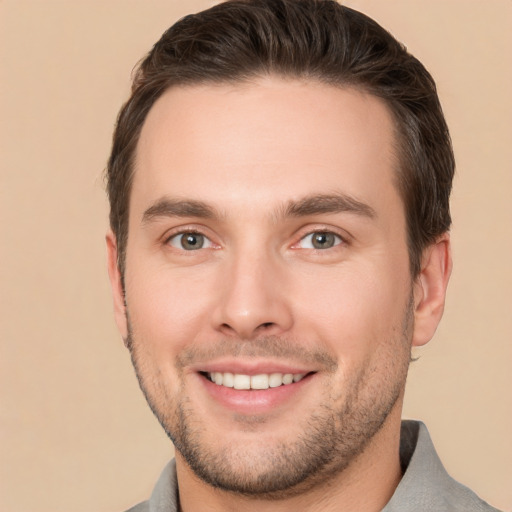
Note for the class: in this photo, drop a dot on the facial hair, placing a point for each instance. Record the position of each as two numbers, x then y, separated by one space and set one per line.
332 435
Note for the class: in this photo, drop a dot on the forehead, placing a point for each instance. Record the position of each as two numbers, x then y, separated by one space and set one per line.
271 139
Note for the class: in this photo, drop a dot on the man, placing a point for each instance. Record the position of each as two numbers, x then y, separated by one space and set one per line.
279 185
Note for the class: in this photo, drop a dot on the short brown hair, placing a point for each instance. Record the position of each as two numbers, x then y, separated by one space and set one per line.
318 40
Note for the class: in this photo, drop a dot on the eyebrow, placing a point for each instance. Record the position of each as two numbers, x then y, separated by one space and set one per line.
167 207
315 204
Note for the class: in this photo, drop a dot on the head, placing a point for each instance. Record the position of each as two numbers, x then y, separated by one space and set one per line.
279 185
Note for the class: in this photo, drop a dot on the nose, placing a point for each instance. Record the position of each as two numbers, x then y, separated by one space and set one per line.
253 298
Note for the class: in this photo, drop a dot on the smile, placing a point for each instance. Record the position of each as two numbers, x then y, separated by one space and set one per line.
261 381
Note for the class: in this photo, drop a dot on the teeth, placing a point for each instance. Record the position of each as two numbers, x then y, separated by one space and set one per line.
261 381
242 382
228 380
287 378
275 380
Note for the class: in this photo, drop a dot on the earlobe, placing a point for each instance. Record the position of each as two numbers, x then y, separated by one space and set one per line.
116 284
430 290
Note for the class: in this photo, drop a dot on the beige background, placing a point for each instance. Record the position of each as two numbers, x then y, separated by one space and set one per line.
76 434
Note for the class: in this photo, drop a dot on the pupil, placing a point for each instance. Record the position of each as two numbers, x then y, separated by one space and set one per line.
323 240
192 241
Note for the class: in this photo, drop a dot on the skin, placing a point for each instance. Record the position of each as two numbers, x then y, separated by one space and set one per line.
240 165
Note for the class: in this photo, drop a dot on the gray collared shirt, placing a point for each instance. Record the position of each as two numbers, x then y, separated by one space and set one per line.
425 486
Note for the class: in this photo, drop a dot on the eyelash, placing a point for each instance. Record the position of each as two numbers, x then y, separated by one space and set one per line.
184 232
337 240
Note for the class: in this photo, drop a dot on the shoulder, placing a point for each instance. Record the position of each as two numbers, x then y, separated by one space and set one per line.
426 485
164 497
141 507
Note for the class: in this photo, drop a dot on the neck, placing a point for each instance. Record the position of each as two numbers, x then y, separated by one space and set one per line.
366 484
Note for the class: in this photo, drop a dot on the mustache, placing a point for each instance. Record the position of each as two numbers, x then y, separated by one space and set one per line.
263 347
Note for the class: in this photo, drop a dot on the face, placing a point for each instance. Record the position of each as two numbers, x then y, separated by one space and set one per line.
269 305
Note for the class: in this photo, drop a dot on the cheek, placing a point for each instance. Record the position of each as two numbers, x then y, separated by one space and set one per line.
351 310
167 309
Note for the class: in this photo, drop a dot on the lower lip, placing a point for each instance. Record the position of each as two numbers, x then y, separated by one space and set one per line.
254 401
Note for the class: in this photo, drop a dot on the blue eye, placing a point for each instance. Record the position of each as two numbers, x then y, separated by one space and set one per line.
189 241
320 240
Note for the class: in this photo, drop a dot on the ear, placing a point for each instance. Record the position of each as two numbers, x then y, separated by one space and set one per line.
116 283
430 290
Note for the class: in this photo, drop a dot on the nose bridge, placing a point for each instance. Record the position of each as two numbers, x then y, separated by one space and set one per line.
253 299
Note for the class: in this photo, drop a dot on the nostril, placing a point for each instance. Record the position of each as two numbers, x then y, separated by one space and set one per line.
249 330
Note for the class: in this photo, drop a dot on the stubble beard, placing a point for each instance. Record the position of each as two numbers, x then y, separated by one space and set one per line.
332 437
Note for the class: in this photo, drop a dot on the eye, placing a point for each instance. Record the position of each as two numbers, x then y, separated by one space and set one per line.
189 241
319 240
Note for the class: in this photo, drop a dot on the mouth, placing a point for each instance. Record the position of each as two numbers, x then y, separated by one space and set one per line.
248 390
260 381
